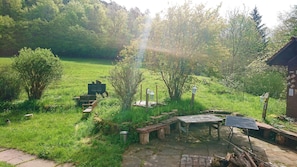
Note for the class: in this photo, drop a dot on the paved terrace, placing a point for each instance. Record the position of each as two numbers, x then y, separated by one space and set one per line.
175 151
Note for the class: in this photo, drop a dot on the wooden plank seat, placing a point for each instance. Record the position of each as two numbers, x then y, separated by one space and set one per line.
144 133
88 107
281 136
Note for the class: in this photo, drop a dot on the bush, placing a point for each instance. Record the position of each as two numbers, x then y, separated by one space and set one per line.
37 68
259 83
9 84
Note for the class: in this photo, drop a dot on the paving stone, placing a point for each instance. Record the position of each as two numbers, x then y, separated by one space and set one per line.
21 159
38 163
14 157
185 153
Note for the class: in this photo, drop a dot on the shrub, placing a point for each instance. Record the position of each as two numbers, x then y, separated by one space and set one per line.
259 83
37 68
9 84
125 78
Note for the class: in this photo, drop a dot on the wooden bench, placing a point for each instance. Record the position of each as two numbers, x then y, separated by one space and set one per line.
144 133
162 128
88 107
281 136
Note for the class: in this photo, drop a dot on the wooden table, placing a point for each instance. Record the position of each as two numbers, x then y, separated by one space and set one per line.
211 120
242 123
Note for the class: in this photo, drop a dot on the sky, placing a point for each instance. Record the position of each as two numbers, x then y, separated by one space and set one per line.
268 9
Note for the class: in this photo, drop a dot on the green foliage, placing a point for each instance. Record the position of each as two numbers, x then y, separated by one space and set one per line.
3 164
7 40
179 43
262 29
285 30
11 8
125 77
71 28
37 69
270 81
244 42
9 83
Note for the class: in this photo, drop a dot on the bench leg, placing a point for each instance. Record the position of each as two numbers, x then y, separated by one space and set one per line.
219 128
161 133
167 130
144 138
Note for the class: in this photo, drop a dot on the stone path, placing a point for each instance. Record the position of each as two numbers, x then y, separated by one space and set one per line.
21 159
176 152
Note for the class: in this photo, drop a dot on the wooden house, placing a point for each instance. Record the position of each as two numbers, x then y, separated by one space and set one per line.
287 56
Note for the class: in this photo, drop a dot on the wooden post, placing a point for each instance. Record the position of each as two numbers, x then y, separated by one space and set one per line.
156 94
266 98
140 93
192 101
161 133
146 99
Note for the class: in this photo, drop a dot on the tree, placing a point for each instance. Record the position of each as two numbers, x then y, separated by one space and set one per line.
126 76
11 8
45 10
7 40
179 42
37 69
242 39
117 27
261 28
286 29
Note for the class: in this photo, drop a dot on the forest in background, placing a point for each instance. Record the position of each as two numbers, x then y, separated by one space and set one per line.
70 28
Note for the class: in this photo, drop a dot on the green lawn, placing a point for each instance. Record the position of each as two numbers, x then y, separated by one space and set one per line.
57 130
60 132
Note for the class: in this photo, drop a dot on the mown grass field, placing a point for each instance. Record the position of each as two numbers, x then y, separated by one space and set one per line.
58 130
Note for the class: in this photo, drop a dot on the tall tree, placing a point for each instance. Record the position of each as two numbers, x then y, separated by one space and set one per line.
241 37
12 8
179 42
45 10
286 29
117 26
7 40
262 29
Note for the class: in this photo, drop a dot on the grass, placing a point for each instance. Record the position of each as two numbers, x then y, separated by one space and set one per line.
58 130
3 164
